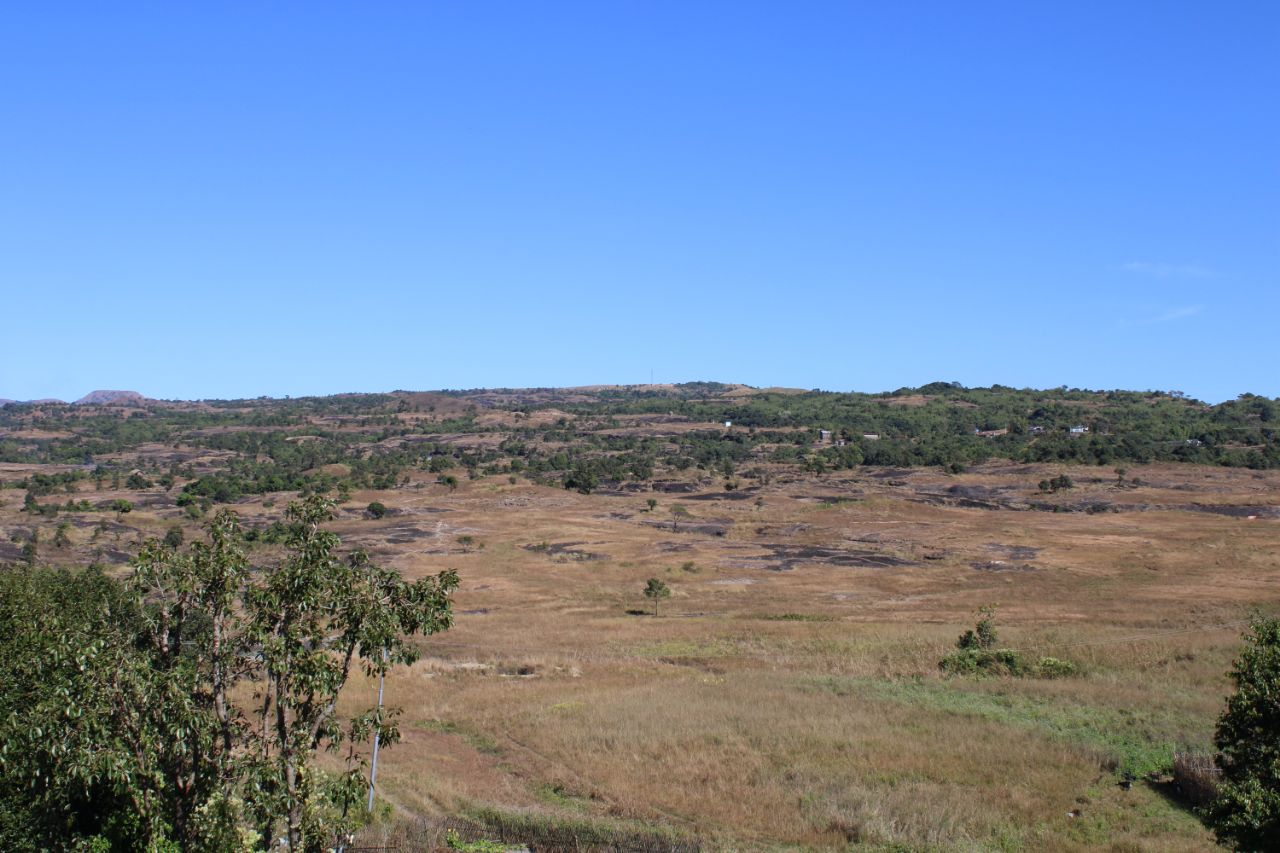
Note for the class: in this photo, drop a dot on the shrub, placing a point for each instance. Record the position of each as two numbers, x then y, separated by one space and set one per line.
1055 668
983 635
976 654
983 662
376 509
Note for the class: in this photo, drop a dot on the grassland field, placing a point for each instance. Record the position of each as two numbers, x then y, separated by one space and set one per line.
788 695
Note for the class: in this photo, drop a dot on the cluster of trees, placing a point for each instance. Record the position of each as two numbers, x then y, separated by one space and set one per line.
182 709
291 445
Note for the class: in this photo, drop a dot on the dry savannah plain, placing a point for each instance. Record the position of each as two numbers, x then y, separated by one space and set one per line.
787 694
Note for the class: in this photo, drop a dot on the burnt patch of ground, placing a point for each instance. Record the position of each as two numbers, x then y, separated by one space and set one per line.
967 497
707 527
1235 511
565 551
736 495
893 473
782 529
784 558
674 486
1001 566
1013 552
405 534
848 497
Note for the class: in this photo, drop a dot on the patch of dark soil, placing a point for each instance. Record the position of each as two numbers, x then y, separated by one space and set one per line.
1013 552
617 516
695 663
831 499
736 495
707 527
976 493
1090 507
892 473
781 529
565 550
674 547
1238 511
784 558
1001 566
675 486
942 499
10 553
404 535
479 611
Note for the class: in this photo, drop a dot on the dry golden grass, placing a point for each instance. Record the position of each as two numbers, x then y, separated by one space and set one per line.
768 709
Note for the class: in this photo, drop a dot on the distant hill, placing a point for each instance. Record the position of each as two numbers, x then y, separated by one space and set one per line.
107 398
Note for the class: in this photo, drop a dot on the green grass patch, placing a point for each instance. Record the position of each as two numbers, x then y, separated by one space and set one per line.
715 648
479 740
539 830
798 617
1128 741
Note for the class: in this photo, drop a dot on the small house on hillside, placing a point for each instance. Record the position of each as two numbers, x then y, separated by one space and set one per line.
1079 429
871 436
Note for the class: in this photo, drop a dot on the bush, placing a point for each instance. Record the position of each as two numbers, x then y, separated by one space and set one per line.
976 654
1055 668
984 662
983 635
376 509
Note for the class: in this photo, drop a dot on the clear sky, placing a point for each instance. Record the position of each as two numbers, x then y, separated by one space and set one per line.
230 200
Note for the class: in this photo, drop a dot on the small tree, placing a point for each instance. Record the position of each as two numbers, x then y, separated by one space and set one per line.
678 512
655 590
1246 813
376 509
982 635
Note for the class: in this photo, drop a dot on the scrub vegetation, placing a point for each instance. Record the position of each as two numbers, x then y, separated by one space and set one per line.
816 676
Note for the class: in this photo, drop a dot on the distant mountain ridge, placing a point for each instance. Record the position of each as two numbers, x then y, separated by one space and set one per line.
105 398
93 398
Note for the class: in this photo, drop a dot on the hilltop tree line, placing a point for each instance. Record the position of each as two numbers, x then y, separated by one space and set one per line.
353 441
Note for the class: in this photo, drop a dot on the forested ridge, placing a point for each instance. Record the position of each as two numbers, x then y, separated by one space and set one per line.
584 438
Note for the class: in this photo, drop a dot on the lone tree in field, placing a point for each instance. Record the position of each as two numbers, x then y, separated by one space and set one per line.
1246 814
655 590
678 512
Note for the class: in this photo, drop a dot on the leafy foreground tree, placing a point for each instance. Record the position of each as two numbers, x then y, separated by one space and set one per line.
183 710
1246 813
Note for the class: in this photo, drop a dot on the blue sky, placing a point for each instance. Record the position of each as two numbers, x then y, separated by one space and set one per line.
236 200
